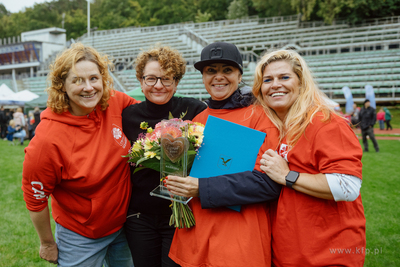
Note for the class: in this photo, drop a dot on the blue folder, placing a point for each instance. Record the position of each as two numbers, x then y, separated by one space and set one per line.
227 148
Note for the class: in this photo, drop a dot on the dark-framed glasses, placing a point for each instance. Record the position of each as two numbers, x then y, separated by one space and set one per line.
151 80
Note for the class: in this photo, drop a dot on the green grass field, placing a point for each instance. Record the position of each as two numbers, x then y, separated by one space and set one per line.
19 243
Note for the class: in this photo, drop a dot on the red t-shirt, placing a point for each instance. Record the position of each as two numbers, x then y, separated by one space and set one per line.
224 237
309 231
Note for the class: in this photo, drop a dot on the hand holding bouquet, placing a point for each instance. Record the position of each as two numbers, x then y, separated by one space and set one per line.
170 148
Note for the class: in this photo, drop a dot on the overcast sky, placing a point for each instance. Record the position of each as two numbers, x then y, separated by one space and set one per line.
17 5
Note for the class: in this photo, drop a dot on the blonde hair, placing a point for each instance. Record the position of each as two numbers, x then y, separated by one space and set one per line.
170 60
310 101
58 100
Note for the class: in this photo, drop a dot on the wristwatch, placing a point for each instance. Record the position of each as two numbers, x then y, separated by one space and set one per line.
291 178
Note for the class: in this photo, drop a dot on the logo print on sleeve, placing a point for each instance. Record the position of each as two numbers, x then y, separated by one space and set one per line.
37 188
119 137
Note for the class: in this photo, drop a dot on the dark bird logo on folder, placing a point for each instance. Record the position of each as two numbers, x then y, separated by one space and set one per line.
224 162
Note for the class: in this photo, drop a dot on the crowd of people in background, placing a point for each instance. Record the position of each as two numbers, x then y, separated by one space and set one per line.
365 118
382 116
15 124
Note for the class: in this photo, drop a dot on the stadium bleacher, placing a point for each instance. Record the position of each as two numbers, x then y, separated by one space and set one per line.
340 54
36 85
381 69
130 43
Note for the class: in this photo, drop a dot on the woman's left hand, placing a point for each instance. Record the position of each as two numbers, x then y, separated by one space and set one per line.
274 166
182 186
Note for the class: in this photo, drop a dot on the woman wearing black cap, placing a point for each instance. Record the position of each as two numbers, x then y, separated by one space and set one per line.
222 236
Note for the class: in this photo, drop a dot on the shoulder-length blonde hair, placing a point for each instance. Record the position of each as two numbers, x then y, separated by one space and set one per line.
65 62
310 101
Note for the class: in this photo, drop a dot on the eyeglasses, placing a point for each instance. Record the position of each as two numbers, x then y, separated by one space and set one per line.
151 80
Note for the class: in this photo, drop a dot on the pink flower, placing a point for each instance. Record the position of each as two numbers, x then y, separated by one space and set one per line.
174 132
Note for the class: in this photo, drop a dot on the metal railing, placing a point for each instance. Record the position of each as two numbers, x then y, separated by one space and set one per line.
117 85
194 36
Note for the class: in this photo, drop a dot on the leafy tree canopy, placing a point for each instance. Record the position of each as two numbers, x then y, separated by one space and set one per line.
111 14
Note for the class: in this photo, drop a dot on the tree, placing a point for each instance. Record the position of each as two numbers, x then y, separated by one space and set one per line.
3 11
217 8
108 14
111 14
237 9
306 7
161 12
272 8
356 10
202 17
75 23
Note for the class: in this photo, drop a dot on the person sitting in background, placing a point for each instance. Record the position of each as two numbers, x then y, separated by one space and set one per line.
367 122
15 131
76 159
19 118
380 116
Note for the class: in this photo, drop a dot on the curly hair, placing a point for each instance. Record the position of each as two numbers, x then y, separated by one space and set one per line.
171 62
310 101
58 100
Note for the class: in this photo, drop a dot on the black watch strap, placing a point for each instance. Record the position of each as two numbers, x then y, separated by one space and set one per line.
291 178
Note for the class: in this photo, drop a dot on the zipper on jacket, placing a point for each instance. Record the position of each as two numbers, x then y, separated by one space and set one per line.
136 214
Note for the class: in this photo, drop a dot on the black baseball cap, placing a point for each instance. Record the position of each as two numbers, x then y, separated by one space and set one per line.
220 52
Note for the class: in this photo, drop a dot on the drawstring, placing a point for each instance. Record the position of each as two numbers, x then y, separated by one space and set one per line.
94 116
136 214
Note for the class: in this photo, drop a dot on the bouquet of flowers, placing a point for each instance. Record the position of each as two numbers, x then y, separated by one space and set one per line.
170 148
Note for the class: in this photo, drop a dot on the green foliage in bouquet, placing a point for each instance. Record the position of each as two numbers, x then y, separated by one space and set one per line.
146 153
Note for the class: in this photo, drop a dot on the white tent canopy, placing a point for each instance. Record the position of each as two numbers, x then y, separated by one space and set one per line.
23 96
5 91
8 97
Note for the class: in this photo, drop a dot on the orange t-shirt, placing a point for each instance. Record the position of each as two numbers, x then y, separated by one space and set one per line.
309 231
223 237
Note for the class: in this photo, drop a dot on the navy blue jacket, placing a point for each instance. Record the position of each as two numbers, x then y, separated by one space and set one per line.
237 189
242 188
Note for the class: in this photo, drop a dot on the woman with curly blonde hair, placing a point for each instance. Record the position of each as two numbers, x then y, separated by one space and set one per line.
65 63
159 71
75 157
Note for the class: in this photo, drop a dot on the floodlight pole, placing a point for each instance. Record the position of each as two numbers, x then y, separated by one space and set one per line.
88 18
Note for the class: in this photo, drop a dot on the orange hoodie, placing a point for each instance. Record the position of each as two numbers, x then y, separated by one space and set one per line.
77 161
